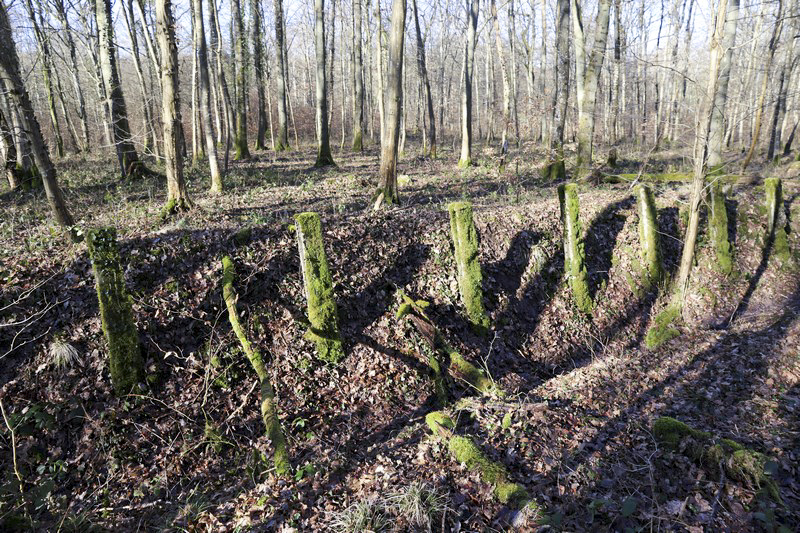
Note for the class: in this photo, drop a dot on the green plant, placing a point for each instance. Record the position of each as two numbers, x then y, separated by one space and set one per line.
364 515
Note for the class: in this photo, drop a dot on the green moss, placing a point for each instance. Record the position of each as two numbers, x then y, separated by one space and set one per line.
662 329
318 283
554 171
473 375
437 419
773 188
470 278
507 420
269 412
243 236
464 163
719 229
125 359
648 234
574 253
738 462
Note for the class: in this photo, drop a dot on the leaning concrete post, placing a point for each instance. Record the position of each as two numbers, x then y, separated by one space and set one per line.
125 358
574 254
719 229
322 312
470 279
776 219
648 233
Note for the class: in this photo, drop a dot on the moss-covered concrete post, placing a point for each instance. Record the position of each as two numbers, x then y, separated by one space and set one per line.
776 219
574 254
648 233
318 284
470 278
719 229
125 358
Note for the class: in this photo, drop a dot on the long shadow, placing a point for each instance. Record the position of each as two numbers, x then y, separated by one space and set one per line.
601 239
744 304
728 352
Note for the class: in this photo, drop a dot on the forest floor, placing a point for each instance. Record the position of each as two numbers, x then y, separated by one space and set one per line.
581 391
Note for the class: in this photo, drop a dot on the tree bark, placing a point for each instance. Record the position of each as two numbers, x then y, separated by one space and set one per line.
282 142
358 81
465 160
498 39
130 22
126 153
426 84
324 157
177 195
18 98
258 68
241 150
61 12
394 98
205 101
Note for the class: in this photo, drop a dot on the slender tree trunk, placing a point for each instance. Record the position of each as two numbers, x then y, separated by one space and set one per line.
724 32
282 142
586 79
358 80
773 45
177 196
126 153
715 135
61 12
426 84
18 98
215 33
258 68
394 98
205 102
324 157
379 66
473 7
240 64
130 23
560 80
504 73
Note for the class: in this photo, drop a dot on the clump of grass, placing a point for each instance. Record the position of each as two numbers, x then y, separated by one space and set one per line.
63 355
419 503
363 516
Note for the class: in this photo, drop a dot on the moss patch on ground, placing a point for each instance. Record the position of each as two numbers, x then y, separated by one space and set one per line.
663 328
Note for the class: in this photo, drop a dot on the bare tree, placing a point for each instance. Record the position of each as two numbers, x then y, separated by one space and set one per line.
177 195
282 142
324 157
465 160
426 83
151 142
258 69
17 94
241 151
358 80
717 128
394 99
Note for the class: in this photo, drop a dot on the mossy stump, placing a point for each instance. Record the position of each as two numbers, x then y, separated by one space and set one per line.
776 219
465 451
322 312
574 253
736 461
723 250
269 408
470 278
125 358
648 234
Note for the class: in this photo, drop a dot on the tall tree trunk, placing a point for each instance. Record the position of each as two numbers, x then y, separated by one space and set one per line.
473 6
43 45
177 196
561 82
358 80
724 32
18 98
426 84
545 133
501 56
215 34
512 48
379 65
282 142
130 23
241 150
773 45
586 78
394 99
126 153
205 101
61 12
258 68
324 157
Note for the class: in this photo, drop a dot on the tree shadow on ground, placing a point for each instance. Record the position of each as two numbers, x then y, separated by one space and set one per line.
601 240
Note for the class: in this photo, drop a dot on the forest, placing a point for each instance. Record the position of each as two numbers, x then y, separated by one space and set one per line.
399 265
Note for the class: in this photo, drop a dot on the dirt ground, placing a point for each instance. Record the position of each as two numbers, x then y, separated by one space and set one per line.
581 391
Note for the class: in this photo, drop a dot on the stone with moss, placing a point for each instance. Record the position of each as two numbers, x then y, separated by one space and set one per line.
574 253
737 461
318 284
718 224
126 363
663 328
648 234
470 278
